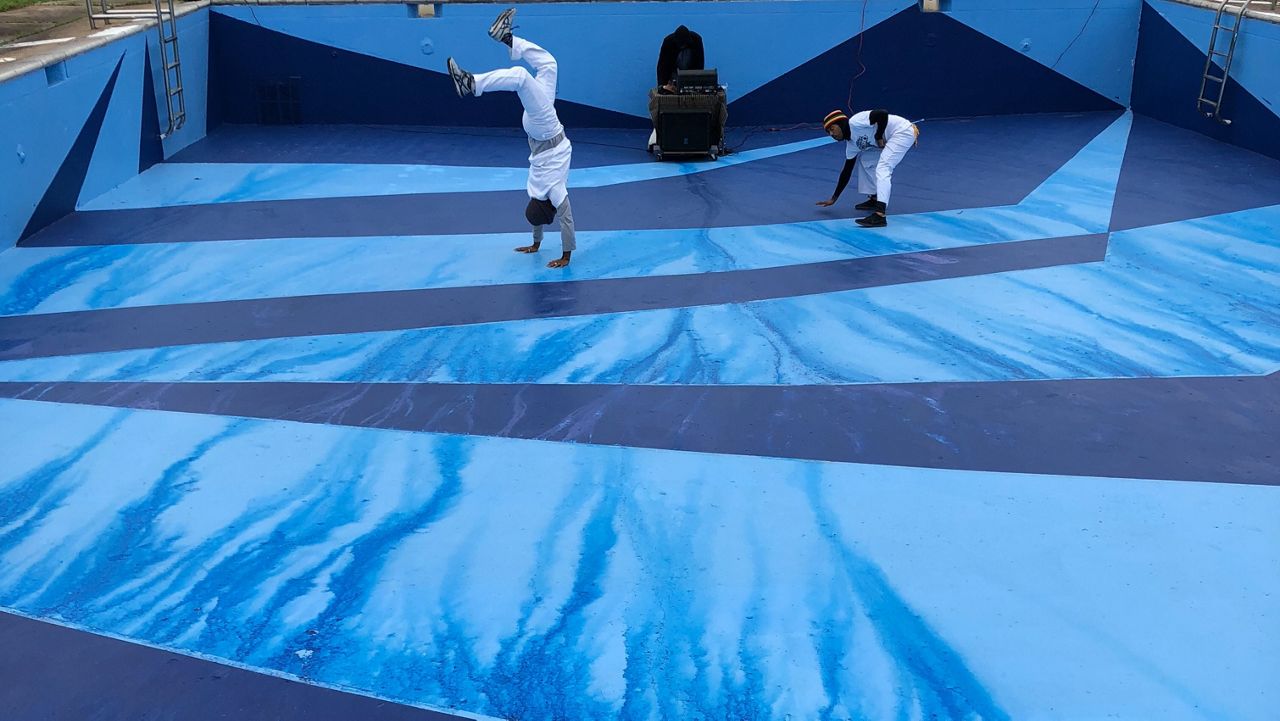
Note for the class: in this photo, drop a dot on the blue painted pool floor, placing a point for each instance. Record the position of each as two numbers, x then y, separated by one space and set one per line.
289 402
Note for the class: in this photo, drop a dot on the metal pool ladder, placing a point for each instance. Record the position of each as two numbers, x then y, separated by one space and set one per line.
1210 101
170 58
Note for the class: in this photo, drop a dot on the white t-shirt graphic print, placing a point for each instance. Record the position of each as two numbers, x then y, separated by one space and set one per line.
862 132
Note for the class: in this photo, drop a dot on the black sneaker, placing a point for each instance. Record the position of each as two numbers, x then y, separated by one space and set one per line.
875 220
463 82
501 28
869 204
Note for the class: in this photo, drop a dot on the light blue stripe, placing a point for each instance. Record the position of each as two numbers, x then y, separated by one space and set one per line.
1074 200
1186 299
525 579
1083 190
173 184
48 280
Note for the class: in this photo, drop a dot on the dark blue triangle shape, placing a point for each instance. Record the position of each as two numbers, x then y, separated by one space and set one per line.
150 149
919 65
1166 82
342 87
1158 185
61 195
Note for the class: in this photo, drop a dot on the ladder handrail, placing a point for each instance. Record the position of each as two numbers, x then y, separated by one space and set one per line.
166 18
1207 76
170 35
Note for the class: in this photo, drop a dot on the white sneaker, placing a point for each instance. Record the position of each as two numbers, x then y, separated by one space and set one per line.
501 28
463 81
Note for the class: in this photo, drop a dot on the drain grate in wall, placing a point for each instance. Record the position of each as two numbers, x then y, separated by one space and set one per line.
280 102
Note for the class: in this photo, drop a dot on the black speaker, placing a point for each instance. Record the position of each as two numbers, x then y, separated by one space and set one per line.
697 81
684 131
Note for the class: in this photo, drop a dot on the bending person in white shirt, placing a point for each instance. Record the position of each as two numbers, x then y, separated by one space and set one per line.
550 151
875 143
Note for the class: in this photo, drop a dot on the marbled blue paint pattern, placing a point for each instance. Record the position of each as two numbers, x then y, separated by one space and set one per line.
1137 314
51 280
193 183
521 579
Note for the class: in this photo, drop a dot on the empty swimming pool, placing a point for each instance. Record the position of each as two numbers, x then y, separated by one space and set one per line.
291 432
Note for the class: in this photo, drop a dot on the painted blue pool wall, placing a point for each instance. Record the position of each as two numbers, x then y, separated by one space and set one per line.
1174 41
58 152
1013 58
783 62
1093 45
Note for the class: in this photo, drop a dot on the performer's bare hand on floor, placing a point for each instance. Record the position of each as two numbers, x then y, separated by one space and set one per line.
826 203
